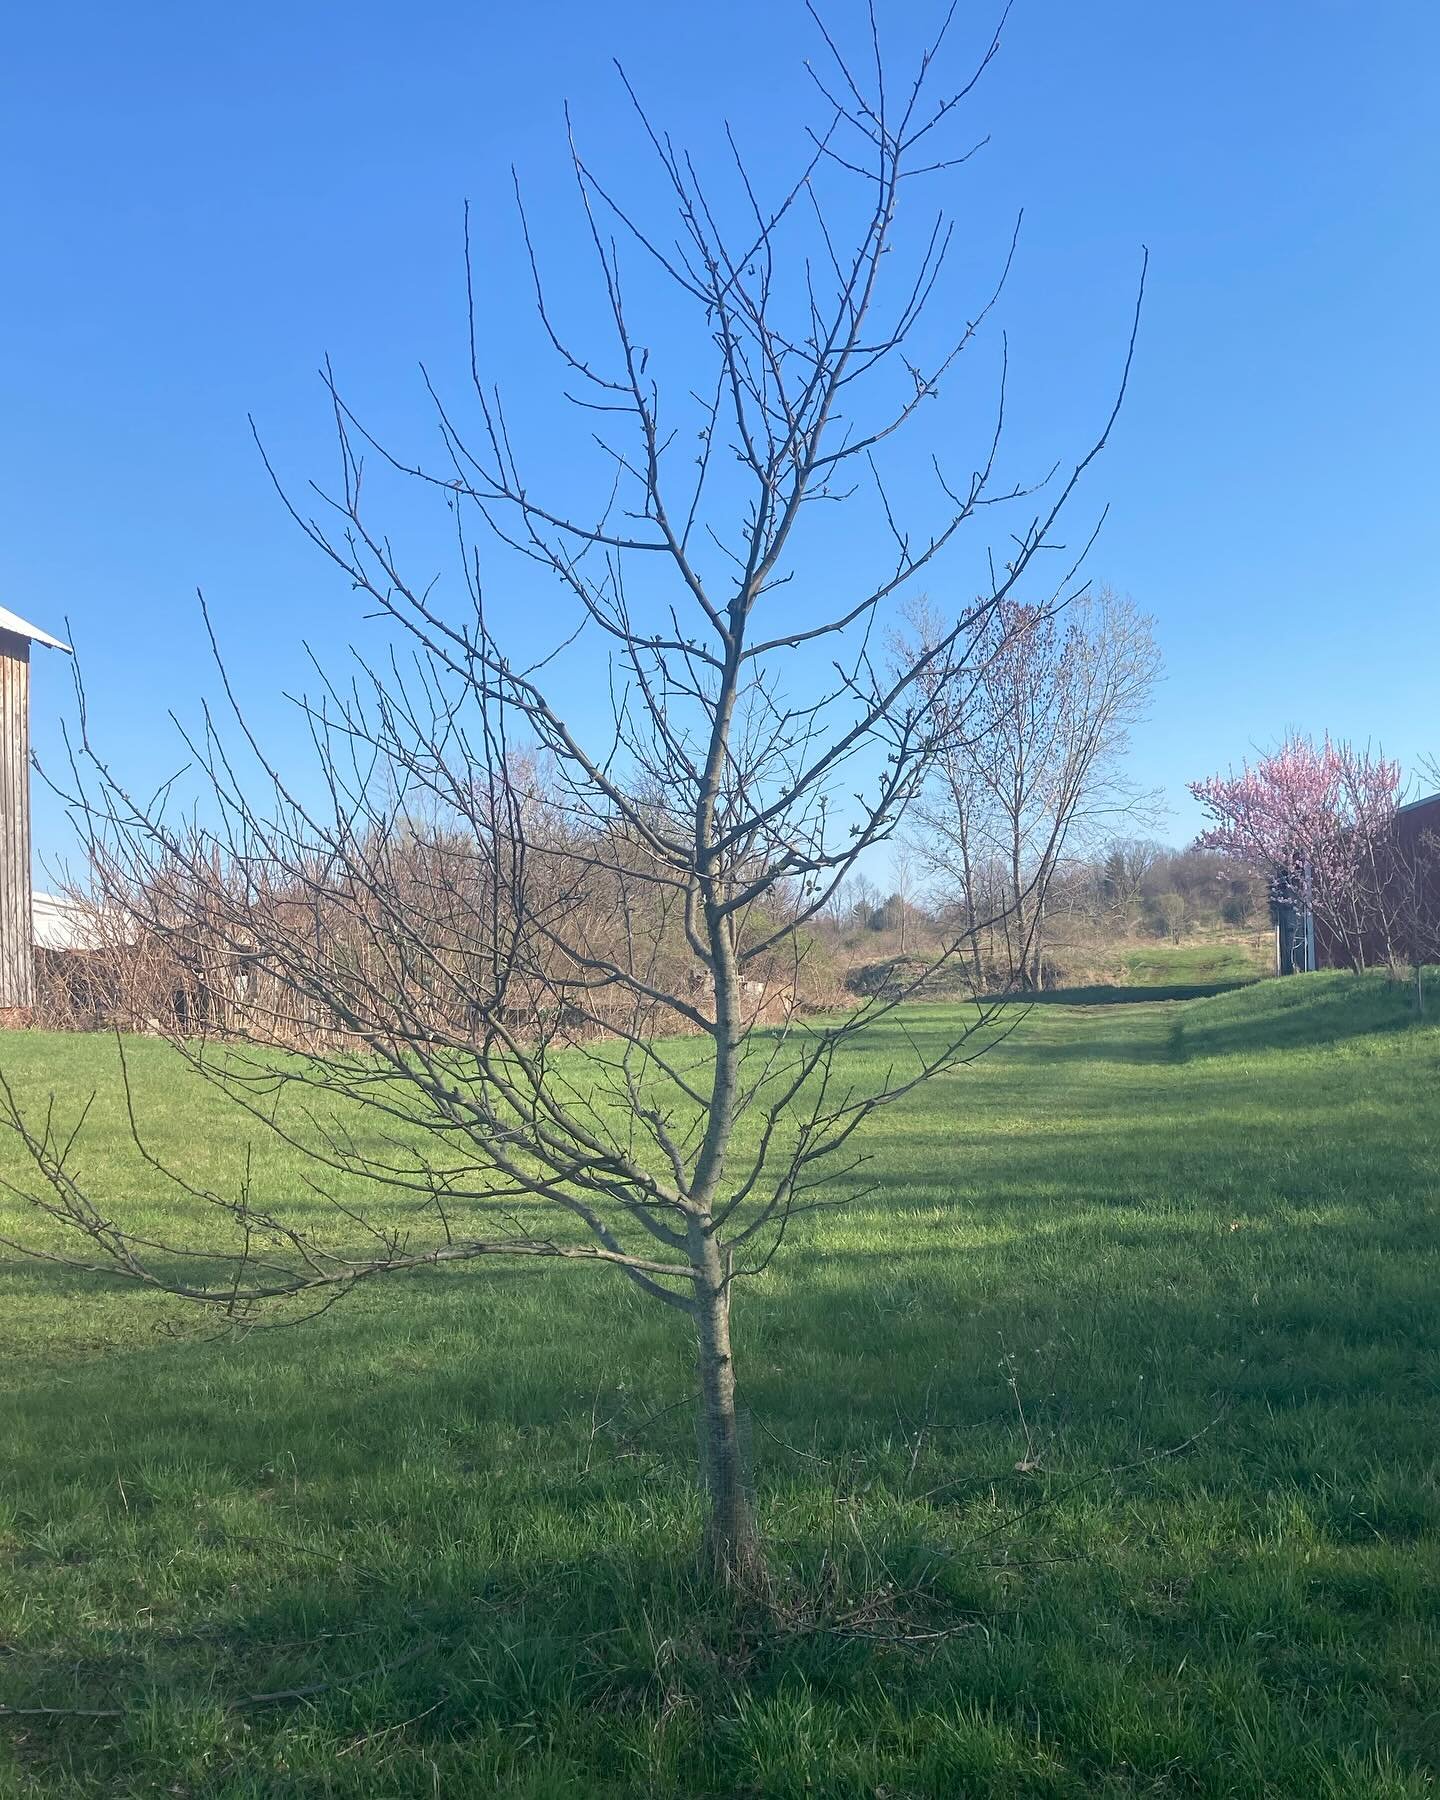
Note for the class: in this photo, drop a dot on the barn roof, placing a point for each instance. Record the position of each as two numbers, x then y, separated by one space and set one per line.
59 923
10 621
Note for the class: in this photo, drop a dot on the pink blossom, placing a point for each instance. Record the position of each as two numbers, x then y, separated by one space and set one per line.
1312 814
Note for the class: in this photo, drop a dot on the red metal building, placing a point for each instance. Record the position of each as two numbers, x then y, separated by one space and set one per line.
1406 926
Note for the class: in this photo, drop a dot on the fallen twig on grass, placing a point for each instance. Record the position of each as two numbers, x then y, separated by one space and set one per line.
371 1737
1041 1501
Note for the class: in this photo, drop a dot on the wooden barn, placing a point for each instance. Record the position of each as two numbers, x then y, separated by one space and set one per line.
17 929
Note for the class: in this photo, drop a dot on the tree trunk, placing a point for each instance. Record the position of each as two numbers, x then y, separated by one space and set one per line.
1017 898
731 1546
972 913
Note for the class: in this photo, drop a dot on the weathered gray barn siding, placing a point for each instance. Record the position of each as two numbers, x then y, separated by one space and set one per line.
17 944
17 953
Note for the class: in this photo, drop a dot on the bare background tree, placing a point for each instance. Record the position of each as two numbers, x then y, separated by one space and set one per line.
1032 731
541 962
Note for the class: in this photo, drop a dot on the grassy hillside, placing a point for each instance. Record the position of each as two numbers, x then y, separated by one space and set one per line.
1201 962
1126 1376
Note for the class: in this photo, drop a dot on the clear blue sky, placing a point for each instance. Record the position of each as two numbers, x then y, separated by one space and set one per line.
199 203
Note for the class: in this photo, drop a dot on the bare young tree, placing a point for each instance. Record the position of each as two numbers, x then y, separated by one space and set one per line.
554 999
1033 727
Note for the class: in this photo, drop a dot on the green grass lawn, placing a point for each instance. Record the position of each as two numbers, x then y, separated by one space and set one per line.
1202 962
1180 1259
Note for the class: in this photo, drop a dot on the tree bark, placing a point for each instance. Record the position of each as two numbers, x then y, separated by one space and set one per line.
731 1544
1020 956
972 912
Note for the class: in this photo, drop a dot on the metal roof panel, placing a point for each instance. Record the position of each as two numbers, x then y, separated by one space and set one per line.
10 621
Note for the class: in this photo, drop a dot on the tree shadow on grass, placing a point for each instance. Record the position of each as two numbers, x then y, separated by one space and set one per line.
1301 1012
458 1669
1196 1319
496 1585
489 1562
1132 996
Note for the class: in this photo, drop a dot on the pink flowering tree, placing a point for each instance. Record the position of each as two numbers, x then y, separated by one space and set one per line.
1319 818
